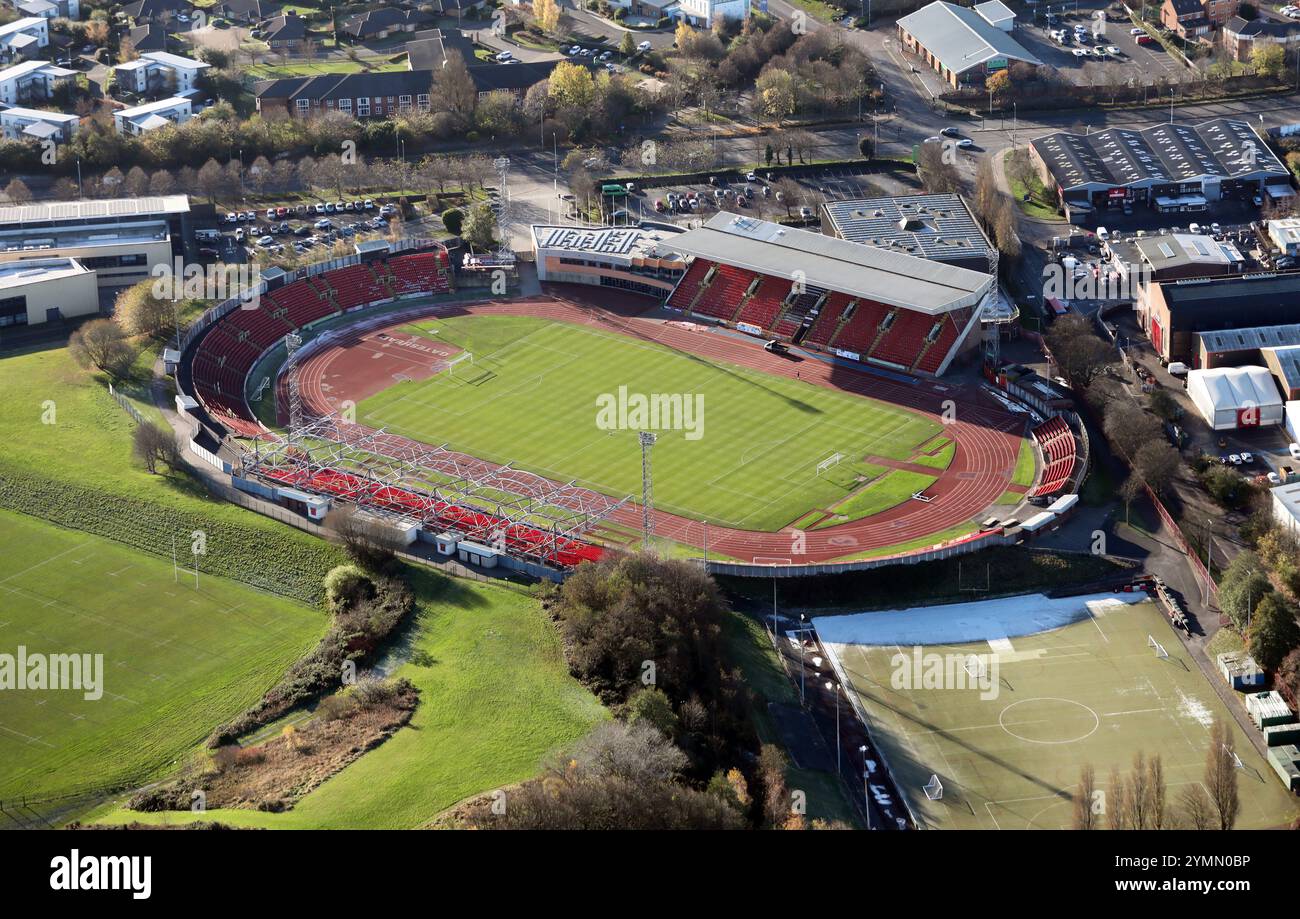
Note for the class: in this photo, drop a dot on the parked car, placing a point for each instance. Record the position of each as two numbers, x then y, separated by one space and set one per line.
644 46
950 132
504 56
323 224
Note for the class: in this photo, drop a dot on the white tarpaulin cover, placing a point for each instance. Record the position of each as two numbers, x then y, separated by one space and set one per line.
1232 397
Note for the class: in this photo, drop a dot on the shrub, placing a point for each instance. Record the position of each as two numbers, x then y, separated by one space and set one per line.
346 586
454 220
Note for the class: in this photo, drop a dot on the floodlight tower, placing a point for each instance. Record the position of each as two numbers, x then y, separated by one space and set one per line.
292 342
647 440
505 217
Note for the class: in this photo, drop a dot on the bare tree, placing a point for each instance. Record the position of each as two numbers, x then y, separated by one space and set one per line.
1138 797
102 344
153 445
1221 775
1195 809
1116 801
1085 818
1158 792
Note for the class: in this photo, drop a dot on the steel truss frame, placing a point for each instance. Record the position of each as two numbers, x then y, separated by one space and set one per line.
437 476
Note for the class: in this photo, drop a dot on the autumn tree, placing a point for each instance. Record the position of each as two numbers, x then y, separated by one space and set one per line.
1273 631
141 311
102 344
546 13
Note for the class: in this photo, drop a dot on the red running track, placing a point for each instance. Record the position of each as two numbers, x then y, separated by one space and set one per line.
987 437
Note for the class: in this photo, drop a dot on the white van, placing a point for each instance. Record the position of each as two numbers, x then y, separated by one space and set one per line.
1103 234
1294 450
1177 369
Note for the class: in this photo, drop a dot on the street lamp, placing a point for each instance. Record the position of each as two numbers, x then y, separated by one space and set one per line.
866 799
835 688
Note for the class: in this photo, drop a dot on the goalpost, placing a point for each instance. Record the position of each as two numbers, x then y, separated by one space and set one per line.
975 667
934 788
463 357
829 463
1159 648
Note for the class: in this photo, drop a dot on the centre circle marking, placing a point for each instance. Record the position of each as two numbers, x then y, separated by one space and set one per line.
1096 721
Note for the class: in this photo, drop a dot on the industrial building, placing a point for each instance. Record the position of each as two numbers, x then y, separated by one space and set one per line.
1172 168
1172 313
46 289
964 46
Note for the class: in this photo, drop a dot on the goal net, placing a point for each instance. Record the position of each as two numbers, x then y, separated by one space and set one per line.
829 463
975 668
934 789
1157 647
465 357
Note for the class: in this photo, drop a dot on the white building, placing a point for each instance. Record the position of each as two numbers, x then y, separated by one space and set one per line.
1229 398
50 9
997 14
31 81
1285 234
702 13
27 123
623 258
160 71
151 116
24 37
1286 506
39 290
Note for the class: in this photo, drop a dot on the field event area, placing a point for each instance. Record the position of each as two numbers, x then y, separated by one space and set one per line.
743 451
1035 689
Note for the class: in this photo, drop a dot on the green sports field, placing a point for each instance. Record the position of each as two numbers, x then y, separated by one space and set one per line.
176 660
1091 692
531 398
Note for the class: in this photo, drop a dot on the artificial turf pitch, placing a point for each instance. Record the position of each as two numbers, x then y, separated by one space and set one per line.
530 398
1091 692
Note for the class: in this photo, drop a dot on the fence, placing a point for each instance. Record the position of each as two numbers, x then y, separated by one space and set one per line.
126 404
964 547
1198 567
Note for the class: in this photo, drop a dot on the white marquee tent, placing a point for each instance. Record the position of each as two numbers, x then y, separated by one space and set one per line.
1235 397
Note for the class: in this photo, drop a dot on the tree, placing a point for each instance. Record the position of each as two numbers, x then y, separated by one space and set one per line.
774 94
211 180
652 706
153 445
137 182
1138 798
999 83
772 765
1288 677
1195 809
1158 794
1080 355
1117 810
346 587
1268 59
481 227
1156 463
1243 585
547 15
102 344
18 192
454 220
627 47
453 89
572 87
141 312
1221 775
1273 632
1164 405
1006 227
937 171
1085 818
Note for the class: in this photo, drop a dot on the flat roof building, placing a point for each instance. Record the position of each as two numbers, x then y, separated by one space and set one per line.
1286 506
1173 312
622 258
1173 168
46 289
940 228
120 239
141 119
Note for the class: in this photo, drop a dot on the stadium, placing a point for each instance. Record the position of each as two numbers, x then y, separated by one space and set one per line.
832 428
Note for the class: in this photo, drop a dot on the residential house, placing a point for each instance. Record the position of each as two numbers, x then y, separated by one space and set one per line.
22 38
515 79
158 10
18 123
32 82
50 9
286 31
151 116
1186 19
159 71
246 11
361 95
149 36
428 50
374 25
1241 37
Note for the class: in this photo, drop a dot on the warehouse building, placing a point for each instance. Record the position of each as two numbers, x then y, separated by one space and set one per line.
1172 313
940 228
1171 168
964 46
45 290
119 239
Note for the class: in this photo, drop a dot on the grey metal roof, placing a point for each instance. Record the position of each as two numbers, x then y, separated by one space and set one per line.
1164 153
1288 364
1269 336
81 210
961 38
936 227
835 264
1180 249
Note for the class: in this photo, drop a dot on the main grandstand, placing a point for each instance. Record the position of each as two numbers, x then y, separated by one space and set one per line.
857 302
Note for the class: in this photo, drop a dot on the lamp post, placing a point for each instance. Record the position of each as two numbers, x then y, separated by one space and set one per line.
835 688
866 798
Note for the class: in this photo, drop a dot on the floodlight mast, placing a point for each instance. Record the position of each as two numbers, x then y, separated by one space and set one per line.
647 441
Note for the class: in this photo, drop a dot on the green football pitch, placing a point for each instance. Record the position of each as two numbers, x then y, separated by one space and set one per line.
532 394
1092 692
177 659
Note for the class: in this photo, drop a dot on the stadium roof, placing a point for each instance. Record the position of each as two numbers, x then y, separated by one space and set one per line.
961 38
626 242
938 227
835 264
109 209
1164 153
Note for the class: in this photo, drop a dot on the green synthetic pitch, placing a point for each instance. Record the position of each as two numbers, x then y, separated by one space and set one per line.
177 660
1092 692
530 398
